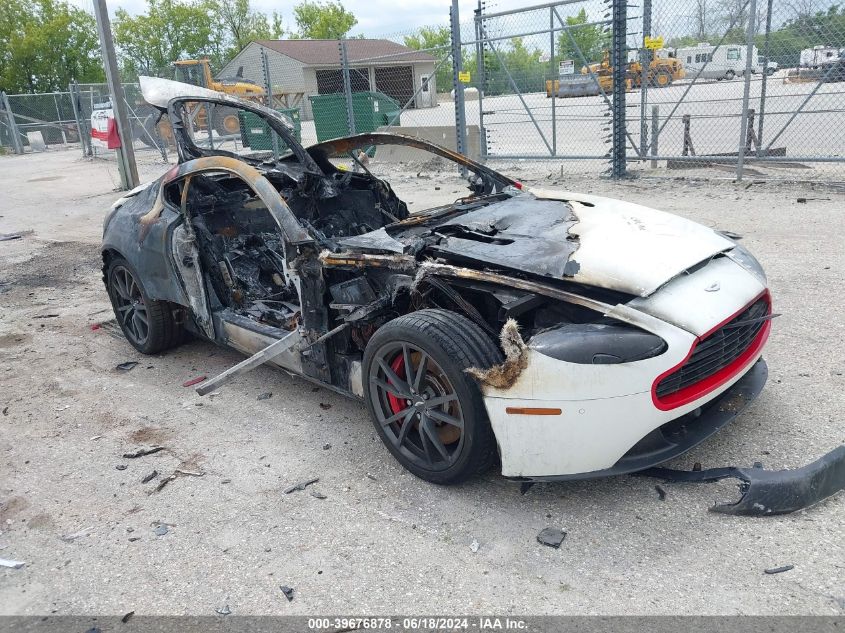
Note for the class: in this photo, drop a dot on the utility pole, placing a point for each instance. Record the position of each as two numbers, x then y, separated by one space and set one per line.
347 88
126 152
749 49
645 68
619 62
458 85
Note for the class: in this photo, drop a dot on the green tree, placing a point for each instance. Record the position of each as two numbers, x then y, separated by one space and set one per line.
591 40
244 25
436 41
322 21
44 44
169 30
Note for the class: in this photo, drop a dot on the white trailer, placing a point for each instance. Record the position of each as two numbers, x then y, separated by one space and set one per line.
820 55
725 62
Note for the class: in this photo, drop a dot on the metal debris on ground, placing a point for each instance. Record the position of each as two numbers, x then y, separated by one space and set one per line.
225 610
12 564
194 381
5 237
326 446
143 452
161 530
302 485
127 617
121 467
552 537
265 396
46 316
127 366
325 406
318 495
778 570
192 473
474 545
164 482
70 538
288 591
660 493
148 478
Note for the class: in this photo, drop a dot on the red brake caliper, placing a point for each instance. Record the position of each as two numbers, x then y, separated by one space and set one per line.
397 404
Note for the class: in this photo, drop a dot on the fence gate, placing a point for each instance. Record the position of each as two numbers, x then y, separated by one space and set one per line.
545 81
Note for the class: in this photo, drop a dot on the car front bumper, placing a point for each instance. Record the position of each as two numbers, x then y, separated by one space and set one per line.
681 434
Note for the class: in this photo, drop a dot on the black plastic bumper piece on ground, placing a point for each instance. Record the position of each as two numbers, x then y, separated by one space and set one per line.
680 435
771 492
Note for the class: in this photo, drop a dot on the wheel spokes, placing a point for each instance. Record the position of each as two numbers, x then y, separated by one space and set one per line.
401 385
120 285
129 305
407 425
441 400
431 433
395 417
389 388
416 406
420 371
440 416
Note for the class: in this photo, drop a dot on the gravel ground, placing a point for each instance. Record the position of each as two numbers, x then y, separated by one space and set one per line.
97 540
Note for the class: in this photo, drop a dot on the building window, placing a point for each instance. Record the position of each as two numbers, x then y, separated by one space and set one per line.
733 54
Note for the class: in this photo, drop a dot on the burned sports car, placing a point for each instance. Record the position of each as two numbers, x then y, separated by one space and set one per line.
565 335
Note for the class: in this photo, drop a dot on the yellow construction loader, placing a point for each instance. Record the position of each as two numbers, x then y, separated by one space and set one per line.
198 73
661 73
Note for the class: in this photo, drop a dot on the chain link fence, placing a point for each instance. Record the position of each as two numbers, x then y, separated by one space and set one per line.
714 88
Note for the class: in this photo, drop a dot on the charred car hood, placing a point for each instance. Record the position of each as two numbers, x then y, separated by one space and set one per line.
631 248
586 239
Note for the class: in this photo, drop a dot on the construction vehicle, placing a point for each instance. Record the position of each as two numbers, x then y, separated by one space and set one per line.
155 132
580 86
662 72
197 72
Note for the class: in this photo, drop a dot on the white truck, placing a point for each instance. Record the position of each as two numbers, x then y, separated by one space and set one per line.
725 62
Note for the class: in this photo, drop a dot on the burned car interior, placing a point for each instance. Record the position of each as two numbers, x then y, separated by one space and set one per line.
244 257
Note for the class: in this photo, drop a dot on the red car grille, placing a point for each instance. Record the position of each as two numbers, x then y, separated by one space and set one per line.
716 357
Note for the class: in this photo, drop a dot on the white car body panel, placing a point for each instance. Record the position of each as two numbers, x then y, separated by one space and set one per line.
158 92
589 435
607 409
716 291
649 247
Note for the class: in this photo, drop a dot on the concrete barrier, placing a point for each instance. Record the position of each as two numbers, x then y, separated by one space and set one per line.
439 135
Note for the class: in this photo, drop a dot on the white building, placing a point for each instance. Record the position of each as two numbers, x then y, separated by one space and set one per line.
301 68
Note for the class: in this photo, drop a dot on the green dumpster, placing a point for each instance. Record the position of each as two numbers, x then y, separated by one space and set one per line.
372 110
255 133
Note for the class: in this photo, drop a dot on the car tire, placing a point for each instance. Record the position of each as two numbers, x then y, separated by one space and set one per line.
147 324
434 424
730 74
770 72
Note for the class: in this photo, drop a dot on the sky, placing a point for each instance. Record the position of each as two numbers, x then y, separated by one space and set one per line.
375 17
